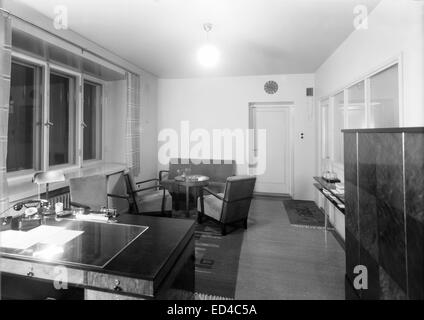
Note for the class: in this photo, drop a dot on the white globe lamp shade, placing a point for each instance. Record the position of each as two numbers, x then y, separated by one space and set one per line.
208 56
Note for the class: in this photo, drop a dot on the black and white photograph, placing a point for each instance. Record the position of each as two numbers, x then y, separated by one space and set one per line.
209 157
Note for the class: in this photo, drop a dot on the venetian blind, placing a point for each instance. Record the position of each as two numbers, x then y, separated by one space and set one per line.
133 136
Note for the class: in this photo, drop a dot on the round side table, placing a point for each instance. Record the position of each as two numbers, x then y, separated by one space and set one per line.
191 181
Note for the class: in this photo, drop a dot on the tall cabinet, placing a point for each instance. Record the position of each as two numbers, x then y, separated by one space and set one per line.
384 193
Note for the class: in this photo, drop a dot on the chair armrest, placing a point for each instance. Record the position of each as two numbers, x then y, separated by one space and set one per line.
146 181
118 196
213 193
79 205
161 174
149 188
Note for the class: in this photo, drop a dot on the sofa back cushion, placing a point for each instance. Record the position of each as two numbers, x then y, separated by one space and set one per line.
216 170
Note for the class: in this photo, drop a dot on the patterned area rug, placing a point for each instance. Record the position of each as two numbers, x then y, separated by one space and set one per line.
217 260
304 214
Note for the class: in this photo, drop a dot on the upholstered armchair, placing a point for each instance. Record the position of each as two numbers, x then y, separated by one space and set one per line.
230 207
89 192
127 196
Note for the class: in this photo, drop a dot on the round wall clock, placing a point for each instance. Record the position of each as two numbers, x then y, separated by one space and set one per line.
271 87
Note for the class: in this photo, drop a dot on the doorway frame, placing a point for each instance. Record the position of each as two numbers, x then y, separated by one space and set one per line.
290 105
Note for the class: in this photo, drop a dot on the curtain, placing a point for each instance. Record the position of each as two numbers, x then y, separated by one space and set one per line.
5 66
133 135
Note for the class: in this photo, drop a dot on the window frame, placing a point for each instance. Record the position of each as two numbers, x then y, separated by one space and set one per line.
29 60
64 72
366 102
98 82
38 141
325 103
367 96
46 69
400 114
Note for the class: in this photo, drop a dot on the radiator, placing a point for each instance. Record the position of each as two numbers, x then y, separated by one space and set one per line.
64 198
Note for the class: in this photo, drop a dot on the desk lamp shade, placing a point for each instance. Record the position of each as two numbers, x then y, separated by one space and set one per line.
46 178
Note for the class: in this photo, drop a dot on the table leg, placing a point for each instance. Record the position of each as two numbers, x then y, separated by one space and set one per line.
187 202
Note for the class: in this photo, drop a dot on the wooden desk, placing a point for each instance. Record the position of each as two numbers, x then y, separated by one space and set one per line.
159 264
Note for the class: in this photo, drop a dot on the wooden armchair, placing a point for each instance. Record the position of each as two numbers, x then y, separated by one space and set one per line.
153 200
230 207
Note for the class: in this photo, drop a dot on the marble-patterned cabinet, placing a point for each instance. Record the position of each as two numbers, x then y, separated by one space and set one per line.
384 186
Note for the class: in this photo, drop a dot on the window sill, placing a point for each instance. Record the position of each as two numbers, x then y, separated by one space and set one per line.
21 187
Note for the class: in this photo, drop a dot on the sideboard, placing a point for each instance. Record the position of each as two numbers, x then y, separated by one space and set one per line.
384 194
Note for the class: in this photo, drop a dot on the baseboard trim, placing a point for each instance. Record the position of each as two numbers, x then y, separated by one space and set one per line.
271 195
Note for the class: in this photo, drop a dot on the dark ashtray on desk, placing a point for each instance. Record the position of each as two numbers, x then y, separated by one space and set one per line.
65 213
191 178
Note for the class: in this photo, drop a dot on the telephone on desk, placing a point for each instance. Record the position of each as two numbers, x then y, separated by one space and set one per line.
31 217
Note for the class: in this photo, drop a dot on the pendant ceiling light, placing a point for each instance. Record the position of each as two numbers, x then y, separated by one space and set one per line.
208 54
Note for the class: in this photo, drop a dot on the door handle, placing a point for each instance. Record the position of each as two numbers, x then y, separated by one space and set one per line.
83 124
49 124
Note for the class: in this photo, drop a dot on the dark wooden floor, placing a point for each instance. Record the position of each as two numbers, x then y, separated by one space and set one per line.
279 261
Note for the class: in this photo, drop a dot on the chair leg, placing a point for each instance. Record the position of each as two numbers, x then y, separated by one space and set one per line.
163 202
223 229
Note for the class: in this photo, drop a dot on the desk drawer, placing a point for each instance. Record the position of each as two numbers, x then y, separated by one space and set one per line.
15 287
99 295
120 284
41 271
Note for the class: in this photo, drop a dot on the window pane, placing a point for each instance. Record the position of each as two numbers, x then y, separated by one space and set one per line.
384 111
62 116
356 106
338 126
24 132
92 117
325 114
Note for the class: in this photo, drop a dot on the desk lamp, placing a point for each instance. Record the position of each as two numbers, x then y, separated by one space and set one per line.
46 178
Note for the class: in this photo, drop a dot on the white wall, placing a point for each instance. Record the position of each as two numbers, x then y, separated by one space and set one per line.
222 103
395 29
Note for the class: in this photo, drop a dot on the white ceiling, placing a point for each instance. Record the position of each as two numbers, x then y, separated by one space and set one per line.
254 36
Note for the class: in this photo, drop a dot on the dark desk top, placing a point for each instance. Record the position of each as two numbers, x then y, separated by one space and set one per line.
149 254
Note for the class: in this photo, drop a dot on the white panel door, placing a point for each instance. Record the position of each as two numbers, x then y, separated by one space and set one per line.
276 121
